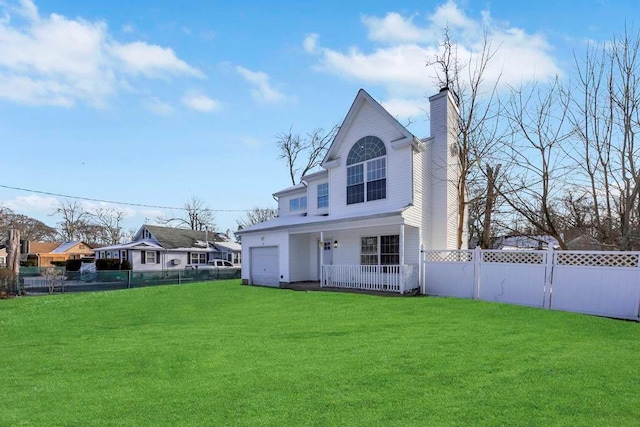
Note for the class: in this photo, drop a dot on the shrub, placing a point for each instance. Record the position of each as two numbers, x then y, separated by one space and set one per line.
73 264
59 263
126 265
108 264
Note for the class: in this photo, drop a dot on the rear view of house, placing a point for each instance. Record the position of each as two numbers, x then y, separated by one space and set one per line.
382 196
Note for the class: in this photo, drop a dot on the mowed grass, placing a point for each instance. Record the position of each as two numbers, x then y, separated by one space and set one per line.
220 353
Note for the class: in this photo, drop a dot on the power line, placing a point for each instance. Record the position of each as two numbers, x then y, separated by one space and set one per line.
91 199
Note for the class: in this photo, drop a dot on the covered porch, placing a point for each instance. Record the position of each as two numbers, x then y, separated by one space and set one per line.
363 257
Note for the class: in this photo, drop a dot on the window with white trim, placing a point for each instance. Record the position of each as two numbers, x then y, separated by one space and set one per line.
380 250
323 195
298 204
198 258
367 171
150 257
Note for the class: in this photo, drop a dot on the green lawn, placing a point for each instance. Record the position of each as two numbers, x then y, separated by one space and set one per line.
223 354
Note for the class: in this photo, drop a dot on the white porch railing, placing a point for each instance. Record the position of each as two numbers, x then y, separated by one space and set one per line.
389 278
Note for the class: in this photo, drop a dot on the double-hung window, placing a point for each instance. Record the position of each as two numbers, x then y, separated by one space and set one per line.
323 195
298 204
198 258
380 250
367 171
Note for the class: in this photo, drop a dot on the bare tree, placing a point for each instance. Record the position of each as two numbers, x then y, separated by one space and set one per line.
30 228
110 222
256 216
625 94
303 154
539 126
75 221
606 118
478 131
196 216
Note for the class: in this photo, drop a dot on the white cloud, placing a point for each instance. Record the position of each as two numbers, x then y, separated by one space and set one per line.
151 60
393 28
157 106
128 28
55 60
262 90
33 204
200 102
310 43
404 44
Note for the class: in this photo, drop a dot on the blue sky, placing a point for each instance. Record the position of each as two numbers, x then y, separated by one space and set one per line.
153 102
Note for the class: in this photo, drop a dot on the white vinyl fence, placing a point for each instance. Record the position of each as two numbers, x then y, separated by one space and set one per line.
591 282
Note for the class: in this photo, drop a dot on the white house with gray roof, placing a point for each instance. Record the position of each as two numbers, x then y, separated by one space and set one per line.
164 248
382 196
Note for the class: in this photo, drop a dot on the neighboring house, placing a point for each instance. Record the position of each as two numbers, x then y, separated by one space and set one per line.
515 243
229 250
382 196
585 242
162 248
48 252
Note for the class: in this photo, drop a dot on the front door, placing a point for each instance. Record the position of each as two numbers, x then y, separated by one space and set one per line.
326 249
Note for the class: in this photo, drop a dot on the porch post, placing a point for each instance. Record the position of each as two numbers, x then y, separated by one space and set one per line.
402 285
321 249
401 244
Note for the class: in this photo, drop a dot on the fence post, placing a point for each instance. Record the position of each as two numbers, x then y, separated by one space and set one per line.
179 276
548 278
477 259
128 279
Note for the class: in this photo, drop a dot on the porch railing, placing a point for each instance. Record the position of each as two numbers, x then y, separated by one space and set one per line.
389 278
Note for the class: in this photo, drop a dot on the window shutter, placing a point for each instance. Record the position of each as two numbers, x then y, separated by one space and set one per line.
188 257
157 257
143 257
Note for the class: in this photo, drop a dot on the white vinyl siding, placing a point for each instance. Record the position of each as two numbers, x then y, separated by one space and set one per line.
397 167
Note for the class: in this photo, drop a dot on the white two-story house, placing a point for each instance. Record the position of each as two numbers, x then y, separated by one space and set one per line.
381 198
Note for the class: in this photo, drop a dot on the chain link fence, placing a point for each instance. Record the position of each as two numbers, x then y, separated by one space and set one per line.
50 281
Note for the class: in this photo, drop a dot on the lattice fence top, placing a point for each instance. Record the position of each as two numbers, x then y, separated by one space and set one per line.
449 256
514 257
598 259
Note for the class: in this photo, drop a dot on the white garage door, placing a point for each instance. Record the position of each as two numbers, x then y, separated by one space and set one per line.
264 266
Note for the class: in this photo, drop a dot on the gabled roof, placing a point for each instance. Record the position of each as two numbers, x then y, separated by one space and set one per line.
361 98
291 189
42 247
173 238
68 245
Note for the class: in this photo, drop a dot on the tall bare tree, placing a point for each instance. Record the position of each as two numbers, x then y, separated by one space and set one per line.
478 132
110 222
606 116
539 126
304 153
75 221
196 215
30 228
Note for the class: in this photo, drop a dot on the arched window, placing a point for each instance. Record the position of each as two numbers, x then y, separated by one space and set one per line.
367 170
